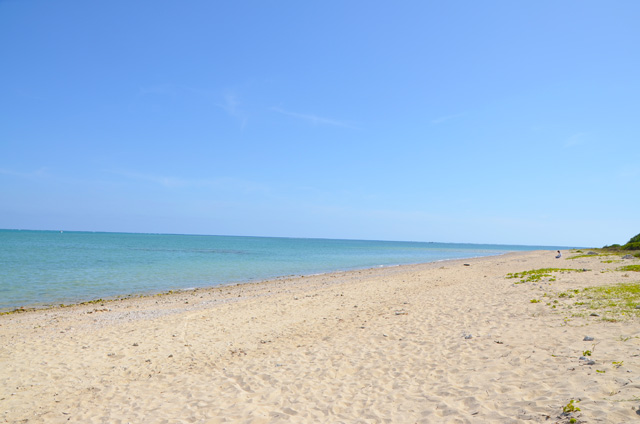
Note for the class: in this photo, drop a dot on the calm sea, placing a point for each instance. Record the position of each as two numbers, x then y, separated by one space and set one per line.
39 268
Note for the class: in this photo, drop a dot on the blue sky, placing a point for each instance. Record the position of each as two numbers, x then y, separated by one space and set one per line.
452 121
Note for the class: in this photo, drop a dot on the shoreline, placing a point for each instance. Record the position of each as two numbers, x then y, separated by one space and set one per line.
46 269
70 303
434 342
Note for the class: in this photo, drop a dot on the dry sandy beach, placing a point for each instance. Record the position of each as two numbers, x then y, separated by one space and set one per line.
434 343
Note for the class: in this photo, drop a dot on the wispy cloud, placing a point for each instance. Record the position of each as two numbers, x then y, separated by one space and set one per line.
162 89
172 182
169 89
576 139
169 182
230 102
446 118
629 172
231 105
39 173
315 119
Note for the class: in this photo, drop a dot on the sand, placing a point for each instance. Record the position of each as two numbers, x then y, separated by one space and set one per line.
432 343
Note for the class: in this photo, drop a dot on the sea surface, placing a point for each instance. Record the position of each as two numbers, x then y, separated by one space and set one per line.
43 268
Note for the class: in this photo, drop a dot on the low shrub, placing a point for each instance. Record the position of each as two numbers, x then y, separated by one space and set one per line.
632 246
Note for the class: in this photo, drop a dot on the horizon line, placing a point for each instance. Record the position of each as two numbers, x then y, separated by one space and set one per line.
292 237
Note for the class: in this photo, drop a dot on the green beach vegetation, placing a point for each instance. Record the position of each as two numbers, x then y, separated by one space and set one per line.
613 303
570 407
537 274
634 268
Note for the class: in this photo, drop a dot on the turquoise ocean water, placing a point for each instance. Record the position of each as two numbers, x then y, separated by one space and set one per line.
40 268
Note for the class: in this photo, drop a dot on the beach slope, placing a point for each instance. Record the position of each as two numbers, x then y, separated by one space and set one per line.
453 341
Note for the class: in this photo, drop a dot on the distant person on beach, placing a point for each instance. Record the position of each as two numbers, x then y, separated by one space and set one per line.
559 255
